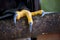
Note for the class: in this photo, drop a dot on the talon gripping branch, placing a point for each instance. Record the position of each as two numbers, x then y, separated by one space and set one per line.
20 8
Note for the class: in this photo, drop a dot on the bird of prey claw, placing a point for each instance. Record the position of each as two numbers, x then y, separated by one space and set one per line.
30 27
28 14
15 18
22 13
44 13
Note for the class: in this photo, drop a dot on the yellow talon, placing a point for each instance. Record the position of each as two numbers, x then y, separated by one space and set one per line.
37 12
24 13
19 15
29 15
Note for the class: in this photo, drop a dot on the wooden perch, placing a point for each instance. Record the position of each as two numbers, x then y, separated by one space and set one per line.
48 24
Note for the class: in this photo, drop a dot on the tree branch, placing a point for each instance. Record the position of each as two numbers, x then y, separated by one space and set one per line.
48 24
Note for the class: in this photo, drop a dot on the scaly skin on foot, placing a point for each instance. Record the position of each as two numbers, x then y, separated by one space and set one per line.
29 15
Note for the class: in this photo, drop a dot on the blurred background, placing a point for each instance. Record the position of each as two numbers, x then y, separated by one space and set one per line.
50 5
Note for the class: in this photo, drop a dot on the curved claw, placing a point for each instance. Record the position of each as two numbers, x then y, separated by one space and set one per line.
29 17
15 18
43 13
30 26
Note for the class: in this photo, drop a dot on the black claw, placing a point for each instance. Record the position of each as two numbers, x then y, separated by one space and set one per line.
15 18
30 25
43 14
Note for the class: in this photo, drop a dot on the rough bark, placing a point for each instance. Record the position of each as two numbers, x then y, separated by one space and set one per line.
50 23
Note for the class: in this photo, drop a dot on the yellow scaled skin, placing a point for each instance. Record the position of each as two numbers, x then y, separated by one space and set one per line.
37 12
28 14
